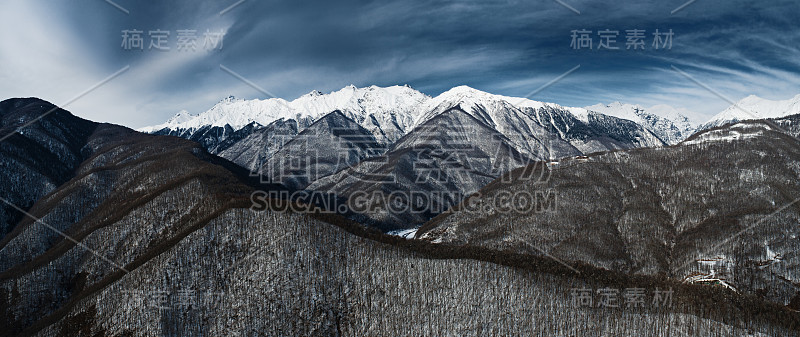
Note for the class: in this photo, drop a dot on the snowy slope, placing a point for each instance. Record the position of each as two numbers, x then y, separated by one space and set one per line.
531 125
754 107
470 98
668 123
739 131
174 122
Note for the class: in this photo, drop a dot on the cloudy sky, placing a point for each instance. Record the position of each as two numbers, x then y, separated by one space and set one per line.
60 50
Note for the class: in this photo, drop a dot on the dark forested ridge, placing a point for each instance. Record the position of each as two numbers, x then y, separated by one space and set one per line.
39 158
167 246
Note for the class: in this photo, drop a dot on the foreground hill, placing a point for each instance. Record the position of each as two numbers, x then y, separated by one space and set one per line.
118 195
273 274
39 158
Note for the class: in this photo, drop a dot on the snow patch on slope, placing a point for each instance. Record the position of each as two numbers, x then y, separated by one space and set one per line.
737 132
405 233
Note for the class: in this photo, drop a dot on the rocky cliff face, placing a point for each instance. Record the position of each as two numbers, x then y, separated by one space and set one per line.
670 124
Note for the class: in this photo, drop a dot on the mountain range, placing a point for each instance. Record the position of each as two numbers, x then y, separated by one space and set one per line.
487 135
110 231
388 112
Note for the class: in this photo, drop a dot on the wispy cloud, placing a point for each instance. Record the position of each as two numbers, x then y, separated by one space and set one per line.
508 47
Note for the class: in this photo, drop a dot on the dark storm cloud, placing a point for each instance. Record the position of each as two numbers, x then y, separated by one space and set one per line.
505 47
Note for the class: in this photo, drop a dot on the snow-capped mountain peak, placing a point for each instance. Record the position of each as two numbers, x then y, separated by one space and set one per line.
667 122
619 110
673 113
387 112
313 93
465 90
754 107
230 99
472 100
180 117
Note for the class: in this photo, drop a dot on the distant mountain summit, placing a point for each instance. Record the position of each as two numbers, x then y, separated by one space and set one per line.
181 117
386 112
754 107
668 123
